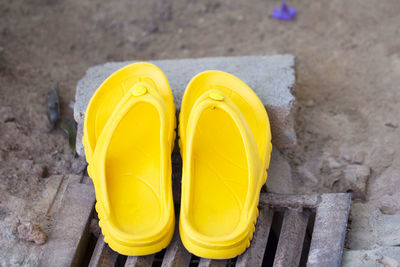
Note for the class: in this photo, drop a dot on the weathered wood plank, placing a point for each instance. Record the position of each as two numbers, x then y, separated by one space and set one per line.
176 254
142 261
289 201
291 238
103 255
70 235
254 255
327 241
212 263
66 248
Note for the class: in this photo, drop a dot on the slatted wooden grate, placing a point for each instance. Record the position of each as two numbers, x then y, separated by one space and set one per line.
291 230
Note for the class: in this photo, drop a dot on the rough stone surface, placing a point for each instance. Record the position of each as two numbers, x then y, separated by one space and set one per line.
370 228
279 178
31 232
380 257
389 204
387 183
363 234
271 77
354 179
6 114
388 229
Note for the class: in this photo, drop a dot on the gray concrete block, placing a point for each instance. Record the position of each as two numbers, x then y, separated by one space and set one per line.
279 178
271 77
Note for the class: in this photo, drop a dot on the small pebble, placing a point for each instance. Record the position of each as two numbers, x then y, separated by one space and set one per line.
26 164
359 157
152 28
391 125
346 157
31 232
388 262
389 209
333 163
40 171
6 114
389 204
78 165
310 103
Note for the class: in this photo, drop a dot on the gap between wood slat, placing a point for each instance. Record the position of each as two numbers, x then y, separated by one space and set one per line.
142 261
176 254
103 256
291 238
254 255
212 263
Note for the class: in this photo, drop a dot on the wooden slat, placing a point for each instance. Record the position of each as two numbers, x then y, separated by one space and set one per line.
327 241
212 263
176 254
103 255
289 201
255 253
142 261
326 247
291 238
68 241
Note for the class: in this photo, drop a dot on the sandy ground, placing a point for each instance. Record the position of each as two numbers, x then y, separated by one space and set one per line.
348 76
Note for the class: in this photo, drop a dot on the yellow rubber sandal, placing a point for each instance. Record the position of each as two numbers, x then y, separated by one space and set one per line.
131 171
225 144
110 93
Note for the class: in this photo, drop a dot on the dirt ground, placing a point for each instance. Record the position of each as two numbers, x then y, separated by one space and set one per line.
348 76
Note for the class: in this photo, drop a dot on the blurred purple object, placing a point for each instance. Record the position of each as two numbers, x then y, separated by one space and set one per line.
284 12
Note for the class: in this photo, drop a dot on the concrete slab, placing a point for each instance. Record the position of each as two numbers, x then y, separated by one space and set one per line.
371 229
279 178
383 256
271 77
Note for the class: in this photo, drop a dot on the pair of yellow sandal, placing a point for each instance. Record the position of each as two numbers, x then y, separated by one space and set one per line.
225 144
